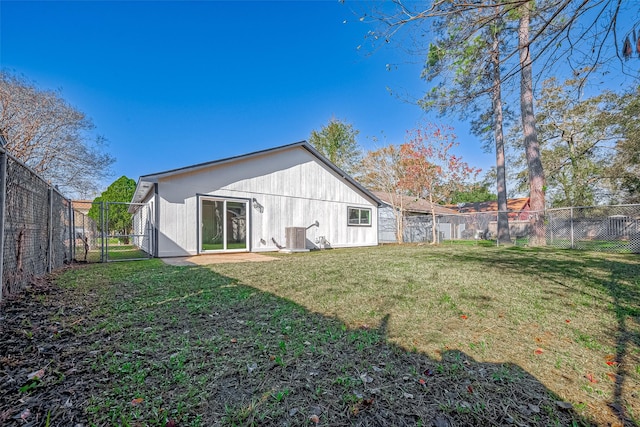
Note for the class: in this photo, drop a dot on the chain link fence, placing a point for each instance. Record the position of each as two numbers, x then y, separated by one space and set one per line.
35 226
88 241
599 228
596 228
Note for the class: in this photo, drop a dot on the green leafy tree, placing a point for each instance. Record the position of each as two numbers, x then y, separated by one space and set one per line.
577 139
472 193
117 217
625 170
337 142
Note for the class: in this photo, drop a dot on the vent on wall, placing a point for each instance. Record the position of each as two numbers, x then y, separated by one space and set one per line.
296 238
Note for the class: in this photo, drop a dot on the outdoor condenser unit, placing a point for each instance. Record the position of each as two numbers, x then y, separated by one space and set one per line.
296 238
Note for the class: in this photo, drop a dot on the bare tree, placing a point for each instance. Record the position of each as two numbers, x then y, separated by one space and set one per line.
383 170
52 137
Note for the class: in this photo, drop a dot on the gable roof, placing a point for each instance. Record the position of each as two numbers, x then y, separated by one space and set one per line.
413 204
146 182
513 205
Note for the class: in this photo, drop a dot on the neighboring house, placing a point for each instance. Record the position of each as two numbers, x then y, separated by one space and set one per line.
80 215
85 228
289 197
483 216
518 208
417 218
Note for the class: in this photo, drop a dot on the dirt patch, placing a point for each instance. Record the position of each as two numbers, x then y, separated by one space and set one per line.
44 379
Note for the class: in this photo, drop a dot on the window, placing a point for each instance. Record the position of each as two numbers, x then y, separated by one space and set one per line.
359 216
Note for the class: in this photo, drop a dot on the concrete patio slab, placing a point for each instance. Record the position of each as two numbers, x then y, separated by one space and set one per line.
218 259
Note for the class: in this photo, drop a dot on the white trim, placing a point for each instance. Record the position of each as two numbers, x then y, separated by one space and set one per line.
247 203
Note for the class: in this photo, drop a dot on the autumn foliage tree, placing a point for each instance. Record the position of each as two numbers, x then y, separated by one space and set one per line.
431 170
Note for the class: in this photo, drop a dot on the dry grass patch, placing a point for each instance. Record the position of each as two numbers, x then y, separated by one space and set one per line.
570 319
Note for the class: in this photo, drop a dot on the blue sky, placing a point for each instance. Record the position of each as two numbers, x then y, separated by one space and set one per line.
170 84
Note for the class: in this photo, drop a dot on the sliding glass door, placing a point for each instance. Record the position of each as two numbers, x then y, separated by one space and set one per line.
224 225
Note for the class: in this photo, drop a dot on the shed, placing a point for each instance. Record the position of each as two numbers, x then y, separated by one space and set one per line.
284 198
416 218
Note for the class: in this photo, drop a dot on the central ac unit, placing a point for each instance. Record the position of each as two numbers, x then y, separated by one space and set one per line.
296 237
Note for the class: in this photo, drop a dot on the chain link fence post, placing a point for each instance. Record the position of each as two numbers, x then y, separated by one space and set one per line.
573 244
3 193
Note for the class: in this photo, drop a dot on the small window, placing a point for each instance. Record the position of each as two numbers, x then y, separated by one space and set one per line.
358 216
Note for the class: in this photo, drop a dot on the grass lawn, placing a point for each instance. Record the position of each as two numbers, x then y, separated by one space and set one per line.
393 335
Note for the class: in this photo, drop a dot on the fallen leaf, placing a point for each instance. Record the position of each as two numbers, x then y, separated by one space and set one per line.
137 401
610 357
591 378
233 340
568 320
538 351
365 378
408 395
25 414
428 372
613 377
421 381
470 389
612 363
171 423
463 317
36 375
314 419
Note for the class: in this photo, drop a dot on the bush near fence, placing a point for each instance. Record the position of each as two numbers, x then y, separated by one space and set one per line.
36 232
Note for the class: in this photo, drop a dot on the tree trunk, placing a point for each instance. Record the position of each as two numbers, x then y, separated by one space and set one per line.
434 232
532 148
501 180
398 211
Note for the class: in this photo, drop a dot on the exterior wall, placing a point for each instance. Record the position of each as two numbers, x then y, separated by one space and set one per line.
289 188
143 225
416 228
386 225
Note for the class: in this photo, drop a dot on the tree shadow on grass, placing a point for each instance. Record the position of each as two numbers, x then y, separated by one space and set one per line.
295 367
185 344
618 279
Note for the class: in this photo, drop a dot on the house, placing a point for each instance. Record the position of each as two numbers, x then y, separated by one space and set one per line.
284 198
518 208
485 216
416 218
